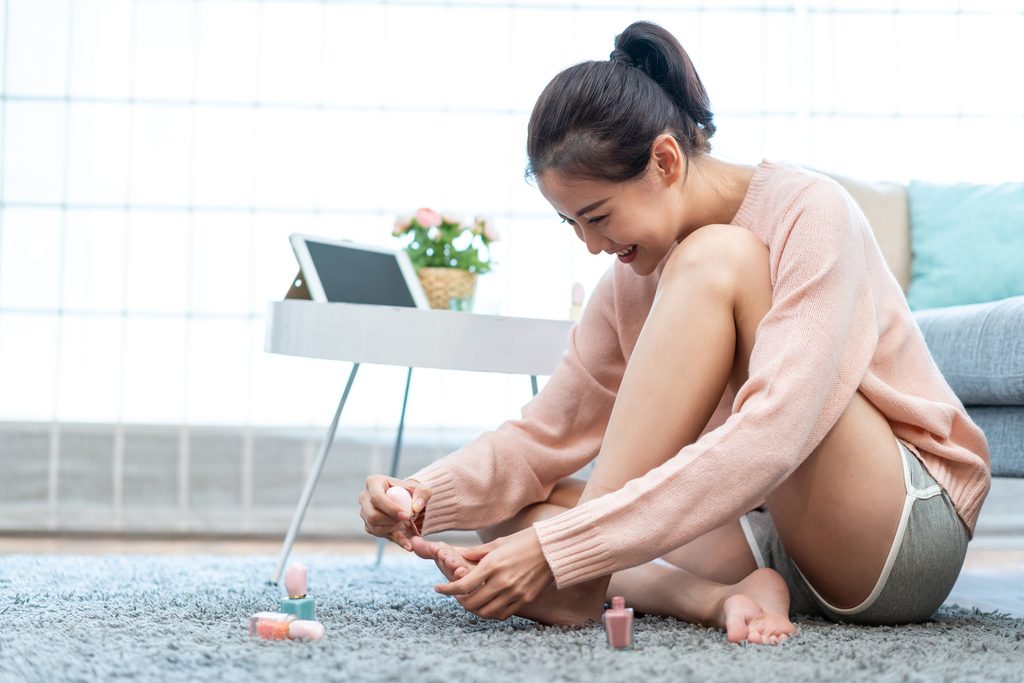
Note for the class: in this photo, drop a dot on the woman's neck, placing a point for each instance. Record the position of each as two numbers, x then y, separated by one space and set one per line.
713 192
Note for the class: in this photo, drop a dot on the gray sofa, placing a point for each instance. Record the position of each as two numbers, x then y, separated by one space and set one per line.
979 348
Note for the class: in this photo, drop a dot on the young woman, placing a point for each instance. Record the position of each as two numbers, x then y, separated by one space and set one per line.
770 432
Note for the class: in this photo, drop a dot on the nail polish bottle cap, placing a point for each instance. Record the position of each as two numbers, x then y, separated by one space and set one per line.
306 630
618 603
295 580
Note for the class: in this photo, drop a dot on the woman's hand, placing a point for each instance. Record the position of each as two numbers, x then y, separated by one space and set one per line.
382 516
511 572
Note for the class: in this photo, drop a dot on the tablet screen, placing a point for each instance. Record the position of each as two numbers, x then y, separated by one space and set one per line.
358 276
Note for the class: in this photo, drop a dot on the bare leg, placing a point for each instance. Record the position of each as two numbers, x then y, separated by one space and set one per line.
838 512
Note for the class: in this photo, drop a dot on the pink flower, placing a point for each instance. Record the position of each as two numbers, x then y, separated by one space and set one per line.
402 225
452 218
428 218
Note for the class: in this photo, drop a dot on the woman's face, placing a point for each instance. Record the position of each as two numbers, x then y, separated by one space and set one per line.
633 220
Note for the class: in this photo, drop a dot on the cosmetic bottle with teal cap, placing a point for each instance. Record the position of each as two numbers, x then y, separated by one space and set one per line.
297 602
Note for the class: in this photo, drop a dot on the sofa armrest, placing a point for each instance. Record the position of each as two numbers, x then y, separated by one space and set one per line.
979 349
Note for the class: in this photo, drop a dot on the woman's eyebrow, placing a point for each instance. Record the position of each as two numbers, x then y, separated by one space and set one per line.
593 206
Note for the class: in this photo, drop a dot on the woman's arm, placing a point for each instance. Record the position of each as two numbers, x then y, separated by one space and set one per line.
490 479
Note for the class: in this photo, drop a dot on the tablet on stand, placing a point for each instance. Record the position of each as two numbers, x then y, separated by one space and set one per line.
343 271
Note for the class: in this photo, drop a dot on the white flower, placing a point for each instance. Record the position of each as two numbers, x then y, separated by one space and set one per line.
453 218
402 225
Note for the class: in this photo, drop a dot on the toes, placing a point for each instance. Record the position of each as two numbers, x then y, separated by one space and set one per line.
736 628
460 572
419 546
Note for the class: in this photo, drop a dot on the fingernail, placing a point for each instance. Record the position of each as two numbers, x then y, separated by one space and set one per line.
417 505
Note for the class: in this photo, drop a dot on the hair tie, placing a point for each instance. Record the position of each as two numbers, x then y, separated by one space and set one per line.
620 55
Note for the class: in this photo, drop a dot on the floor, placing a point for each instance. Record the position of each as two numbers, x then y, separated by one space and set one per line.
992 579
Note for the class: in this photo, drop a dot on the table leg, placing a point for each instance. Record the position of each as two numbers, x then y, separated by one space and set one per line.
533 383
311 480
381 542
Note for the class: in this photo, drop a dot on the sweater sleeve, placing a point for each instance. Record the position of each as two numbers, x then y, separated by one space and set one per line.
493 477
812 349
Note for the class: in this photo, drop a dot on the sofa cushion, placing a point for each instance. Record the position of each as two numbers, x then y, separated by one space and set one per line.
1004 430
885 207
967 241
979 349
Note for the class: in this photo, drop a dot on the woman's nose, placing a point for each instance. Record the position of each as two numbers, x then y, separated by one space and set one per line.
596 243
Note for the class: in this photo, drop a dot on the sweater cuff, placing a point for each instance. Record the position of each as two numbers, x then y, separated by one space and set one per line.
441 511
573 548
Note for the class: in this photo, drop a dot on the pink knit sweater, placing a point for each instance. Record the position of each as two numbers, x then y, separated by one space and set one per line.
838 322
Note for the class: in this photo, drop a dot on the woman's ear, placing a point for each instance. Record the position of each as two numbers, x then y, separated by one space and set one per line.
667 160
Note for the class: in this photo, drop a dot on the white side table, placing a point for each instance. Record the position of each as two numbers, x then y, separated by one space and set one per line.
408 337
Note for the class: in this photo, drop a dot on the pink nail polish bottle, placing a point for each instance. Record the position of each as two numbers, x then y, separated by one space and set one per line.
618 624
279 626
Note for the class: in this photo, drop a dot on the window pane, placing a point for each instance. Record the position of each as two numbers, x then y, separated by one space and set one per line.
37 49
158 262
221 263
28 361
154 370
30 259
90 368
101 44
226 51
94 260
34 152
218 372
289 61
98 153
161 137
164 32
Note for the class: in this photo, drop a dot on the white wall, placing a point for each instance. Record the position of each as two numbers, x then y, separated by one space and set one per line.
155 154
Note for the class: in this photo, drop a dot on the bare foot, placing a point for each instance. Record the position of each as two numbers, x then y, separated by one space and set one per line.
447 558
568 607
757 609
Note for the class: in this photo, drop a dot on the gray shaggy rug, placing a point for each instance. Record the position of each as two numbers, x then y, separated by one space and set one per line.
173 618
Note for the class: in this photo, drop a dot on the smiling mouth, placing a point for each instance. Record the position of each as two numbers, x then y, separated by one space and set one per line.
627 255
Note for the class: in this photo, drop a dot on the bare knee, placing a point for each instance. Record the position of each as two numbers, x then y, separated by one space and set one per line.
723 257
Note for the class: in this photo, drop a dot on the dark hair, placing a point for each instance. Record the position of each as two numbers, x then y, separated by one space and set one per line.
598 120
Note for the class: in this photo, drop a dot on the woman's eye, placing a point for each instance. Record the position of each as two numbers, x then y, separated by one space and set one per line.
598 219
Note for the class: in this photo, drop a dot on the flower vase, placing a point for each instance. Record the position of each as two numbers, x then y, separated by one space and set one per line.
449 288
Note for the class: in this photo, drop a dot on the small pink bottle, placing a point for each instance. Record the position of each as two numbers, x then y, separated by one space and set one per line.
618 624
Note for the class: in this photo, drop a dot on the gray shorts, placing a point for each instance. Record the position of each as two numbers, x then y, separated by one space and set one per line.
919 572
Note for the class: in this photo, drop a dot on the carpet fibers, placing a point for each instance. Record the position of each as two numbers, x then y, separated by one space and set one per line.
174 618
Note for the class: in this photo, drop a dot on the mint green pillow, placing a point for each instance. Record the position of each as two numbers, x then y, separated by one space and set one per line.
967 242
